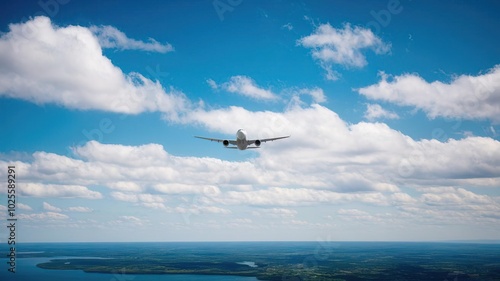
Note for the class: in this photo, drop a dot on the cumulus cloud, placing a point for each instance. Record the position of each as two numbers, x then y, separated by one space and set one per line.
110 37
196 210
276 213
245 86
25 207
48 207
125 186
131 197
57 190
80 209
148 154
131 219
447 204
317 94
342 46
375 111
176 188
330 155
143 199
333 162
43 216
277 196
356 214
65 66
466 96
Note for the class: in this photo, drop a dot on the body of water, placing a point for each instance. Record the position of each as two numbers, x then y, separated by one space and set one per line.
26 270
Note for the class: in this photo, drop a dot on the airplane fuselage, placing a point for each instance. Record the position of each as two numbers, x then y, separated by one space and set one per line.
241 139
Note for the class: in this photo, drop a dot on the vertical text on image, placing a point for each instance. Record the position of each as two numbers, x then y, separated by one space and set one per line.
11 218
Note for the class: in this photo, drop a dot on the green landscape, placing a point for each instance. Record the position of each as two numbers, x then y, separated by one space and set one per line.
285 261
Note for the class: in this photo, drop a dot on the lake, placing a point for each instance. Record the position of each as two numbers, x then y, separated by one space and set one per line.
26 270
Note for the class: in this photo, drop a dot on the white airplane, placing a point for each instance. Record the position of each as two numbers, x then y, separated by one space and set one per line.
241 141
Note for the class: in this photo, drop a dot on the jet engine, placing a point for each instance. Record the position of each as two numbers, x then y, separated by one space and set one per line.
225 142
257 142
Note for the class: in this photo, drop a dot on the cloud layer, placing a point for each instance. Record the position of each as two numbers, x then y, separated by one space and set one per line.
327 161
333 163
466 96
43 63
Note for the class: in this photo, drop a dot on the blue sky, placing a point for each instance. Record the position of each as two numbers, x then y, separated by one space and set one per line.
393 107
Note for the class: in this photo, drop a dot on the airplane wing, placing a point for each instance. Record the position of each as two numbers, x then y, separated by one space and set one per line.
217 140
249 142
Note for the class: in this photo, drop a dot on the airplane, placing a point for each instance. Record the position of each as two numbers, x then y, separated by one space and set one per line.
241 141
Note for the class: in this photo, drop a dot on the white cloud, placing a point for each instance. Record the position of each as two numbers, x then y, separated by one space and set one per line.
197 210
127 197
331 74
446 204
80 209
43 216
342 46
110 37
48 207
148 154
329 156
65 66
177 188
246 86
56 190
143 197
454 196
466 96
316 94
155 205
375 111
400 198
132 219
277 196
212 84
125 186
276 213
25 207
357 215
288 26
333 163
